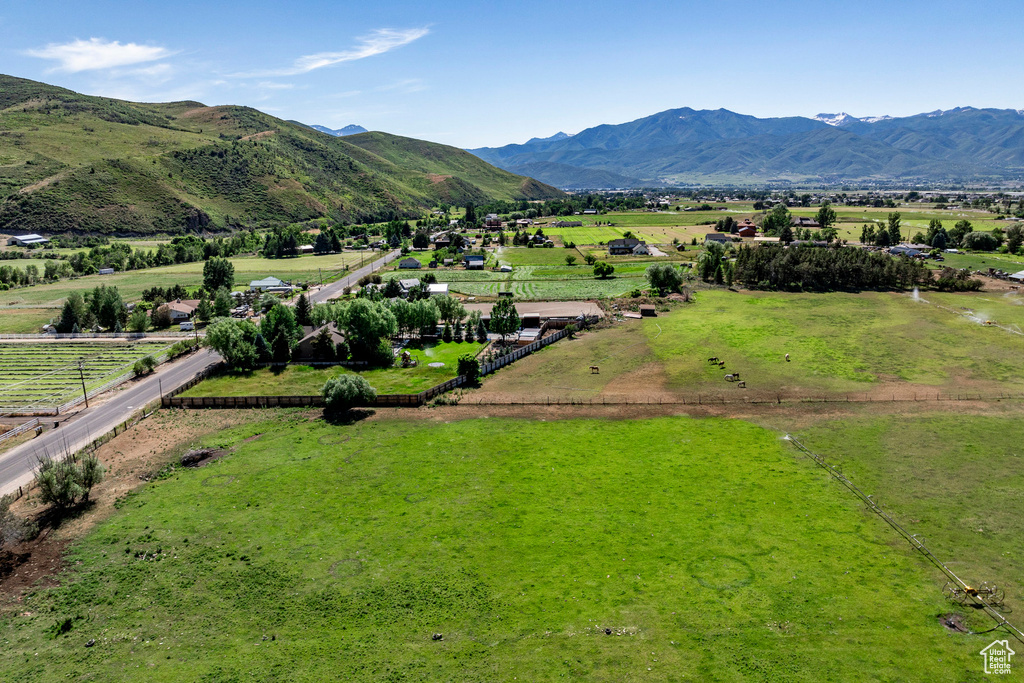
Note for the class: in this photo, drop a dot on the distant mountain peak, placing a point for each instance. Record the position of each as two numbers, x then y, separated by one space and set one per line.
834 119
554 138
351 129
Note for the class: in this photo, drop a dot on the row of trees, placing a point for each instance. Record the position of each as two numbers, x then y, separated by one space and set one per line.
817 269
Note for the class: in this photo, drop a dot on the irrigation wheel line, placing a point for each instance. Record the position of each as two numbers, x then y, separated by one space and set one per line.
1000 620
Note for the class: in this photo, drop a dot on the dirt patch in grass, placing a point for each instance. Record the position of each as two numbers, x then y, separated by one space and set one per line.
130 460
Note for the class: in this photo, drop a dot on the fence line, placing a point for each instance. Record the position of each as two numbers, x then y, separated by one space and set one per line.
172 400
911 538
700 399
20 429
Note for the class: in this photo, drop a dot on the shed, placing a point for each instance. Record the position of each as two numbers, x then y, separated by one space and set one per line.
106 271
474 262
719 237
410 263
437 289
305 249
648 311
26 240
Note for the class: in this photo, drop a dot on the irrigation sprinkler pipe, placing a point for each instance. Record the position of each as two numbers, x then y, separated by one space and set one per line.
911 538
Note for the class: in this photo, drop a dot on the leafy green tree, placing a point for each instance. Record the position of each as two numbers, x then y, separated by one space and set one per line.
590 259
281 330
470 214
570 260
234 340
826 216
222 303
218 272
504 318
709 259
449 309
367 323
160 316
1014 238
776 220
107 307
664 278
603 270
421 240
962 228
138 321
446 334
345 392
14 529
980 241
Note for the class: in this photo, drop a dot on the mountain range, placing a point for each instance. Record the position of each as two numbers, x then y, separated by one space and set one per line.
84 164
351 129
687 146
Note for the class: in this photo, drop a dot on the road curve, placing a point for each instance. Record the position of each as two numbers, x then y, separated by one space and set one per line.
16 465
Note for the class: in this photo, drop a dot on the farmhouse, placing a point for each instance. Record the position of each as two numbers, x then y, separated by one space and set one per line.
305 350
717 237
442 243
410 263
492 221
27 240
626 245
305 249
474 262
181 309
408 284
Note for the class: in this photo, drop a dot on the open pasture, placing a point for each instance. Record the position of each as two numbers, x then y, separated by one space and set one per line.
955 479
682 549
869 345
47 373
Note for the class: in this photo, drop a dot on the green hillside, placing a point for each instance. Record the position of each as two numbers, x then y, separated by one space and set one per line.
76 163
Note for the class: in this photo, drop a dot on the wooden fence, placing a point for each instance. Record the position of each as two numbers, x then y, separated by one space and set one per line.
172 400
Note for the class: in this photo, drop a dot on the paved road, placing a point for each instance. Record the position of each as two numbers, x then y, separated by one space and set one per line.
16 465
336 289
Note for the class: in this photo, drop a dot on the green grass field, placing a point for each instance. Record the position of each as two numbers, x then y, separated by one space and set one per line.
47 373
954 479
708 548
304 380
837 343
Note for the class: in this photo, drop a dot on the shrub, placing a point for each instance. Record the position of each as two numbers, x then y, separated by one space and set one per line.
469 367
343 393
63 483
13 529
144 365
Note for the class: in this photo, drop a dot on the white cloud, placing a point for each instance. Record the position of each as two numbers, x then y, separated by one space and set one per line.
270 85
97 53
378 42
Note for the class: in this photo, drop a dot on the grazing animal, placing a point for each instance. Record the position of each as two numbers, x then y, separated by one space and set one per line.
742 385
730 378
721 364
787 357
595 370
713 359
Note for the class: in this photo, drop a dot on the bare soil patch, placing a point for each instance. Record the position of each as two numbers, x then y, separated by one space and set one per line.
131 459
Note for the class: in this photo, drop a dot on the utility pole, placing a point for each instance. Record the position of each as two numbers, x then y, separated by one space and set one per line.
81 376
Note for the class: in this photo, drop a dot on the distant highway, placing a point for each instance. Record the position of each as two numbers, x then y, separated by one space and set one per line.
336 289
16 465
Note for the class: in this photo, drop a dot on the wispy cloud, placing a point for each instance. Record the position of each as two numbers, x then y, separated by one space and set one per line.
406 86
97 53
377 42
270 85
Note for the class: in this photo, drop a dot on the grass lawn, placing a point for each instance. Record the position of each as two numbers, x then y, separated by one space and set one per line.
25 320
837 343
708 548
954 479
305 380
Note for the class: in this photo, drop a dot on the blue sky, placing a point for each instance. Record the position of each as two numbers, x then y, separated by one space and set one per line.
473 74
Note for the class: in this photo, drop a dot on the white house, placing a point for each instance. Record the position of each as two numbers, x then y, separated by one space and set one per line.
270 284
